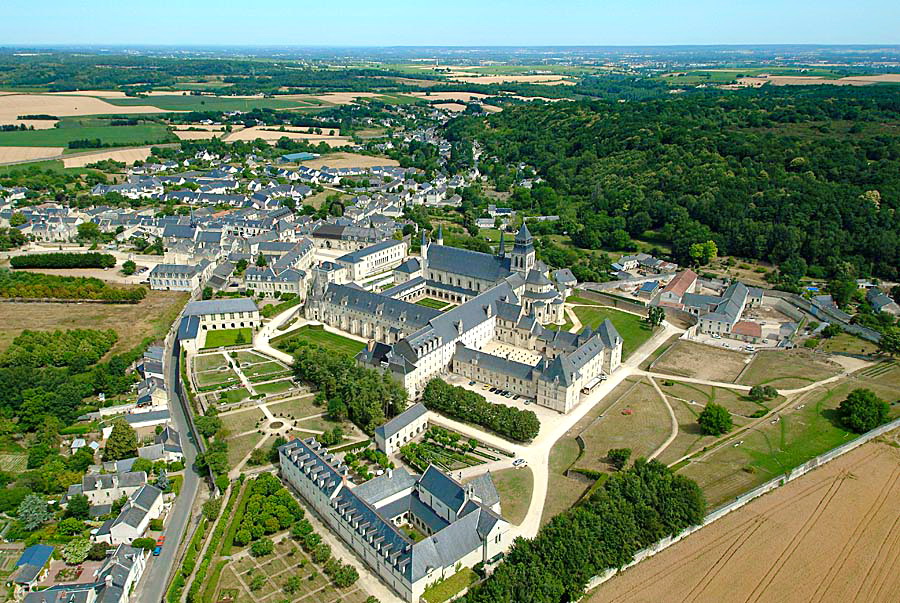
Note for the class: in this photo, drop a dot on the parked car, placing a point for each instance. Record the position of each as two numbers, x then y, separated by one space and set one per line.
485 386
516 397
156 551
471 383
519 463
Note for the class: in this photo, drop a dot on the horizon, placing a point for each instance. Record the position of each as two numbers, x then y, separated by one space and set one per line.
503 23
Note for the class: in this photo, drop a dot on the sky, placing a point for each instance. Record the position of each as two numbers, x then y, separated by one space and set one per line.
451 23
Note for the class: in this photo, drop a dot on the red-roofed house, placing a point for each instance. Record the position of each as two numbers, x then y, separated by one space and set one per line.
751 332
684 282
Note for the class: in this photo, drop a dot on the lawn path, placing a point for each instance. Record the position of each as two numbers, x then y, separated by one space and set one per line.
674 421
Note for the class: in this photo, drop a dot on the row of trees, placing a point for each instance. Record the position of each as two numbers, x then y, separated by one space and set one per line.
365 396
472 407
633 509
63 260
33 285
269 508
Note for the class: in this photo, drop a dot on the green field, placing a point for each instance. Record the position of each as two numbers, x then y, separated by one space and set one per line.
631 327
319 336
205 103
234 395
111 135
226 337
397 99
444 591
515 487
276 387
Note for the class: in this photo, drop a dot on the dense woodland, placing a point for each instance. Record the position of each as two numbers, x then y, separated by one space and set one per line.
805 176
632 510
34 285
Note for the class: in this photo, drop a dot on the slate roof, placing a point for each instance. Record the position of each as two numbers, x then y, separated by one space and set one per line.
354 298
399 422
464 262
220 306
443 487
490 362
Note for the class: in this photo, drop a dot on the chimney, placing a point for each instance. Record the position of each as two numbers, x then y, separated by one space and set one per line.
370 345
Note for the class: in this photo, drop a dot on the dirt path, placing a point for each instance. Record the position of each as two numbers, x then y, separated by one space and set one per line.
672 417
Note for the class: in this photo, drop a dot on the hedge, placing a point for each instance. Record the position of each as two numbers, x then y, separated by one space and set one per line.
211 548
63 260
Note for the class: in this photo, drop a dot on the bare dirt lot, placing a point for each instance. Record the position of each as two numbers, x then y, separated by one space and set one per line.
699 361
272 135
832 535
347 160
9 154
788 369
455 107
129 156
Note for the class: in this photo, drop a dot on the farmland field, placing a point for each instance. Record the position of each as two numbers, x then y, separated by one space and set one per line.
204 103
631 327
830 536
111 135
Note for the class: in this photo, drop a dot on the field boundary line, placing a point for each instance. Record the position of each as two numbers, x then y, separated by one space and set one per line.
719 513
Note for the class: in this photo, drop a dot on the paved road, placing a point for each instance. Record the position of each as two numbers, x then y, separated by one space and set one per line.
152 588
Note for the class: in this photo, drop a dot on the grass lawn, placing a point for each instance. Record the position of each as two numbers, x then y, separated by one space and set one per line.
848 344
515 487
204 103
319 336
251 357
111 135
240 446
234 395
631 327
265 368
227 337
135 323
296 407
276 387
242 420
772 449
429 302
210 362
210 378
443 591
562 491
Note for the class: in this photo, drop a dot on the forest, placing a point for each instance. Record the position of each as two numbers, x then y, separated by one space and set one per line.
807 176
631 510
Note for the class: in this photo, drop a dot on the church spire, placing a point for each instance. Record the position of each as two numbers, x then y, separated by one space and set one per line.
502 250
440 235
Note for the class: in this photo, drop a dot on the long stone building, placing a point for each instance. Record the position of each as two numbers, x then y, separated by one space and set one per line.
460 525
504 298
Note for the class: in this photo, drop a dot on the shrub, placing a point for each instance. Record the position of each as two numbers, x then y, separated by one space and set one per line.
147 544
618 457
63 260
262 547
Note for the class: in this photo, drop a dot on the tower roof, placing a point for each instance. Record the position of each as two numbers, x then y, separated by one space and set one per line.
523 236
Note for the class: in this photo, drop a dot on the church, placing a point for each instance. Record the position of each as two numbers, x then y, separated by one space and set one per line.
503 302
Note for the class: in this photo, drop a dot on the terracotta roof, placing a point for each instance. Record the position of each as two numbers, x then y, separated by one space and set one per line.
681 283
747 328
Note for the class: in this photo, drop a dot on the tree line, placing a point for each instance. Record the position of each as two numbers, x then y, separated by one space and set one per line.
63 260
633 509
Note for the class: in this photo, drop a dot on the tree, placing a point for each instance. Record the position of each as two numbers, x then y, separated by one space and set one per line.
258 581
619 457
211 509
88 231
17 219
862 411
207 292
148 544
33 512
145 465
122 442
293 585
76 551
78 507
703 253
208 425
261 261
890 341
239 339
70 526
655 316
761 393
129 267
715 420
321 553
262 547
